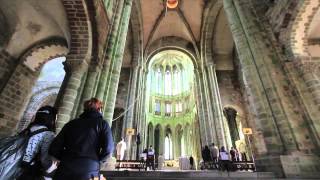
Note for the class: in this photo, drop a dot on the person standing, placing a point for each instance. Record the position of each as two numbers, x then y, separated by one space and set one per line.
214 152
223 159
233 154
83 144
121 147
150 158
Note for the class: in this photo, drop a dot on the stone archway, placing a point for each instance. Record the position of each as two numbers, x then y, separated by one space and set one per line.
45 94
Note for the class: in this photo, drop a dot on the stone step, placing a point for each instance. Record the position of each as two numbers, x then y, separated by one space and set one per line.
185 175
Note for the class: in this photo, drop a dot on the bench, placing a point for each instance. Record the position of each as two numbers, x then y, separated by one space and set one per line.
130 164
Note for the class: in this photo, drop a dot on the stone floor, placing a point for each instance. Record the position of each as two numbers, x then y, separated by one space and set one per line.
185 175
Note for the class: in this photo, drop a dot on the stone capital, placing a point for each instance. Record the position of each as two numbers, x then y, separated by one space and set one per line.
74 66
95 67
306 67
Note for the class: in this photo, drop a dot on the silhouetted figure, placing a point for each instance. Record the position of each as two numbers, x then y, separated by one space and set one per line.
83 144
233 154
138 141
191 160
206 154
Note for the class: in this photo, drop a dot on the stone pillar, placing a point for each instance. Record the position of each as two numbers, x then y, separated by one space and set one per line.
131 108
273 134
308 71
89 86
161 141
141 106
219 130
206 108
116 61
74 72
200 106
112 45
150 136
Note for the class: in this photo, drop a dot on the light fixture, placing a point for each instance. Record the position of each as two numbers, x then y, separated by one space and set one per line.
171 4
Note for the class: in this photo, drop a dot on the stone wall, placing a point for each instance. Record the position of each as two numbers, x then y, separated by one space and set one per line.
6 66
102 26
14 98
123 88
229 88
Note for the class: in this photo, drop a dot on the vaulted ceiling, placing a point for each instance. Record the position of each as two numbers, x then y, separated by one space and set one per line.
186 21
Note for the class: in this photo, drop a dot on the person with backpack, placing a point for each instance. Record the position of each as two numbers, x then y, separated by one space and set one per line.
25 155
83 144
36 162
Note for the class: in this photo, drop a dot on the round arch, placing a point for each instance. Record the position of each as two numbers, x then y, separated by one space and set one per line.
45 95
300 28
172 43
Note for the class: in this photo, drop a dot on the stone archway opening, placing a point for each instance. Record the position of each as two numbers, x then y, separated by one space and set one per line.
171 102
46 89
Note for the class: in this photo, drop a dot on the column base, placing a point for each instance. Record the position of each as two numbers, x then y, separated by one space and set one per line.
271 163
290 166
300 166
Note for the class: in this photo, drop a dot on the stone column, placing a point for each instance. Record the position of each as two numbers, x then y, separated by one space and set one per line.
309 72
116 62
210 120
201 108
207 109
141 105
161 141
112 45
219 131
89 86
273 134
74 73
131 108
150 136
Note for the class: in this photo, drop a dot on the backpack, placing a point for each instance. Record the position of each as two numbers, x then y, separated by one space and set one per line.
12 150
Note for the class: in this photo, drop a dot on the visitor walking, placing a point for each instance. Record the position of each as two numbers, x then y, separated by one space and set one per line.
83 144
36 163
214 152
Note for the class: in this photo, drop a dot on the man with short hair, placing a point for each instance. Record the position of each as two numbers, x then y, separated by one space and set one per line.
83 144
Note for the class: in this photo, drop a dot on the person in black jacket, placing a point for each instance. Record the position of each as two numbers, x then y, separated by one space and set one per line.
83 144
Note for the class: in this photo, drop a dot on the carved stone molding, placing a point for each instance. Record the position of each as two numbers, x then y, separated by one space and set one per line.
306 67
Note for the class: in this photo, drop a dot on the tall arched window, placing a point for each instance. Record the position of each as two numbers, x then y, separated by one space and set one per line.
168 88
176 84
167 109
159 74
168 147
157 107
